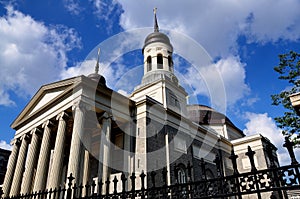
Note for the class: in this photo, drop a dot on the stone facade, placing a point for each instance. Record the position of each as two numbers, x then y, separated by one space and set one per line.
295 99
79 126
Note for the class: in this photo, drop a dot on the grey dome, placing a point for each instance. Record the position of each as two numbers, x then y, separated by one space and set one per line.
157 37
98 78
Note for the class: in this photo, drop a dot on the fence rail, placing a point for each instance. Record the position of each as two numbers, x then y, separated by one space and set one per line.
275 179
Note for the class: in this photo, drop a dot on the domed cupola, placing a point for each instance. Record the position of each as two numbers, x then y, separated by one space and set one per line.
96 76
159 81
155 37
157 51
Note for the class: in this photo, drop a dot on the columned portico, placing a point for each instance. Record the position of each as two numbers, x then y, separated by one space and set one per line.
44 158
11 167
31 161
16 183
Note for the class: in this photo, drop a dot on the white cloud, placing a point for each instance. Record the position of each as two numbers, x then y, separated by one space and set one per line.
73 6
118 75
265 125
217 24
111 74
31 54
4 145
222 80
233 74
84 68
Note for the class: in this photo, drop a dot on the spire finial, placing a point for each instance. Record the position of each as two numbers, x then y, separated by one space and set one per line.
97 64
156 29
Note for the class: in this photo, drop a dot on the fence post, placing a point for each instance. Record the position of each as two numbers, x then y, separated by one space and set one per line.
87 188
115 181
219 175
107 182
69 192
132 178
153 174
164 176
203 169
274 174
189 169
176 173
93 188
142 176
218 165
100 185
203 175
250 155
123 179
289 146
233 158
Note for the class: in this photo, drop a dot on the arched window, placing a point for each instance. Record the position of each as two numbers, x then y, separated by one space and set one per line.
209 174
159 61
170 63
149 63
181 176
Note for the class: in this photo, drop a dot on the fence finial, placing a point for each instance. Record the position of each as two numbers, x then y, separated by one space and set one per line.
153 174
269 150
250 155
189 169
203 169
218 164
115 181
289 146
233 158
164 174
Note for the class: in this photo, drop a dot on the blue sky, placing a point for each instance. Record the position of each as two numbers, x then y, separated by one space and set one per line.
45 41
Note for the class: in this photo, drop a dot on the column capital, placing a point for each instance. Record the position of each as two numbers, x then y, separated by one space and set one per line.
82 106
16 141
36 130
106 116
47 123
62 116
25 137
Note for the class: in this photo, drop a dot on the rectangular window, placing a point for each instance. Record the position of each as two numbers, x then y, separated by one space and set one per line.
119 138
159 61
180 144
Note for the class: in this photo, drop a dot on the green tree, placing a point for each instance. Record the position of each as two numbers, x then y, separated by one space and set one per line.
289 70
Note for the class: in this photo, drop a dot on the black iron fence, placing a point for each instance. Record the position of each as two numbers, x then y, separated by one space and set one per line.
276 181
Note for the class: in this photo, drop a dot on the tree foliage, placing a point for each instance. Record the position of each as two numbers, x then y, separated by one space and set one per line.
289 70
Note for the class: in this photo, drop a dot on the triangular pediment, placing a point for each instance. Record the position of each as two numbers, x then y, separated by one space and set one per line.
48 97
44 97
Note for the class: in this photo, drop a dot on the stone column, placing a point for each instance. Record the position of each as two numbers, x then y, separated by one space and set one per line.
16 184
11 168
31 161
104 159
78 129
58 155
86 169
44 158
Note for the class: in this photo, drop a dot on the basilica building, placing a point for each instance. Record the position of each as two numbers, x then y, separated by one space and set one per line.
80 126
